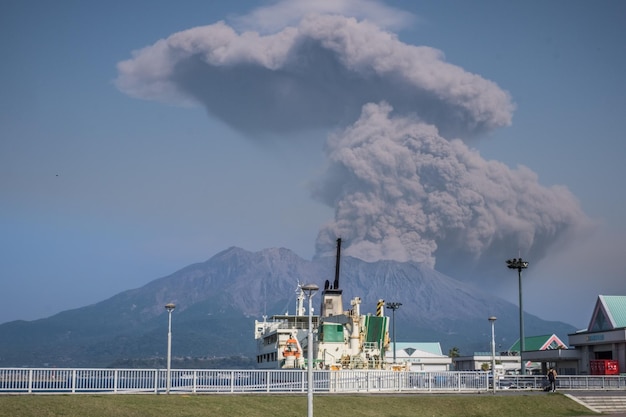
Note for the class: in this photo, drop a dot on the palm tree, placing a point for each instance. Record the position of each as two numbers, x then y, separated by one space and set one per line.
454 352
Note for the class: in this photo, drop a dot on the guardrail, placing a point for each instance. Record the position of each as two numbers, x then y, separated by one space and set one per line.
82 380
567 382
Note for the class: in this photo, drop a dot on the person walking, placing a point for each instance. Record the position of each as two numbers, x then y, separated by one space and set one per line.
552 379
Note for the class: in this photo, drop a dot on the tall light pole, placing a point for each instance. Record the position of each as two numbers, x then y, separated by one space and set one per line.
492 319
310 290
519 264
394 307
169 307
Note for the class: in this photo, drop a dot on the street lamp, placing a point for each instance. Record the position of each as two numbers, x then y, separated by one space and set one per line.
492 319
169 307
310 290
519 264
394 307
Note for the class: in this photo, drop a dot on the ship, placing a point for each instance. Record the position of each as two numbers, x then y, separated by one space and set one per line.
342 339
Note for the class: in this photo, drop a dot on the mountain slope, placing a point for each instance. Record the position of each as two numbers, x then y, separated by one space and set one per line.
217 301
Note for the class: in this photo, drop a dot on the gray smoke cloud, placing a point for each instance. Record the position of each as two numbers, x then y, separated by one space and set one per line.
401 191
312 76
402 180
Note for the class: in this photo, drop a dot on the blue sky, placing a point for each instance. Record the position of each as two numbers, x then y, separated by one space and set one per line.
108 181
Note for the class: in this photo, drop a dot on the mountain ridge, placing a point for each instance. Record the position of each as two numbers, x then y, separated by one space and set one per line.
217 300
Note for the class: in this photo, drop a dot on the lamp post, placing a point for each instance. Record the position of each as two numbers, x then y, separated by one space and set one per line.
492 319
169 307
310 290
394 307
519 264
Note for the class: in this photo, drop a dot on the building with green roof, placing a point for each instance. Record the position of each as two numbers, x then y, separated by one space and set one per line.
609 314
509 361
605 337
544 342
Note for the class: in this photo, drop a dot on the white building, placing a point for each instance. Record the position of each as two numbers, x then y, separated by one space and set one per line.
505 362
421 356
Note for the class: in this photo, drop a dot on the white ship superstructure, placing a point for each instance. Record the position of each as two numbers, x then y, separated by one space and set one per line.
342 338
280 340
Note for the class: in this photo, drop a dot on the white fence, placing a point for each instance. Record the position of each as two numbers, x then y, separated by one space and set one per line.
566 382
51 380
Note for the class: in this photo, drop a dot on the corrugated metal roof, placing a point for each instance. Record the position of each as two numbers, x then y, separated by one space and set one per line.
616 307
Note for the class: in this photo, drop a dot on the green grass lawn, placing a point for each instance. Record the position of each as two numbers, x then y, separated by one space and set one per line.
129 405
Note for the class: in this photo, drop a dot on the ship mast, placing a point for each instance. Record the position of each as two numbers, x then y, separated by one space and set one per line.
300 301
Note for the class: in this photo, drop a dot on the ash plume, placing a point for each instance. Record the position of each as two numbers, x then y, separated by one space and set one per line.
316 75
401 191
401 177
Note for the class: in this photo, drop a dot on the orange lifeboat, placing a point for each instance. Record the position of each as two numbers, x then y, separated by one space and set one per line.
292 348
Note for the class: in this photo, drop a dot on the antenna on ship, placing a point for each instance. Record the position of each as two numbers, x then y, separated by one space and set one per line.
264 298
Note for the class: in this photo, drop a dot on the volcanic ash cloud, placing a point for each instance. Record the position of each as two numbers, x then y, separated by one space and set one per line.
318 74
402 181
403 192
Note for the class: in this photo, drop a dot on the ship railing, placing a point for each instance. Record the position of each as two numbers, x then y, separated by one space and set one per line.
55 380
371 346
292 325
328 357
